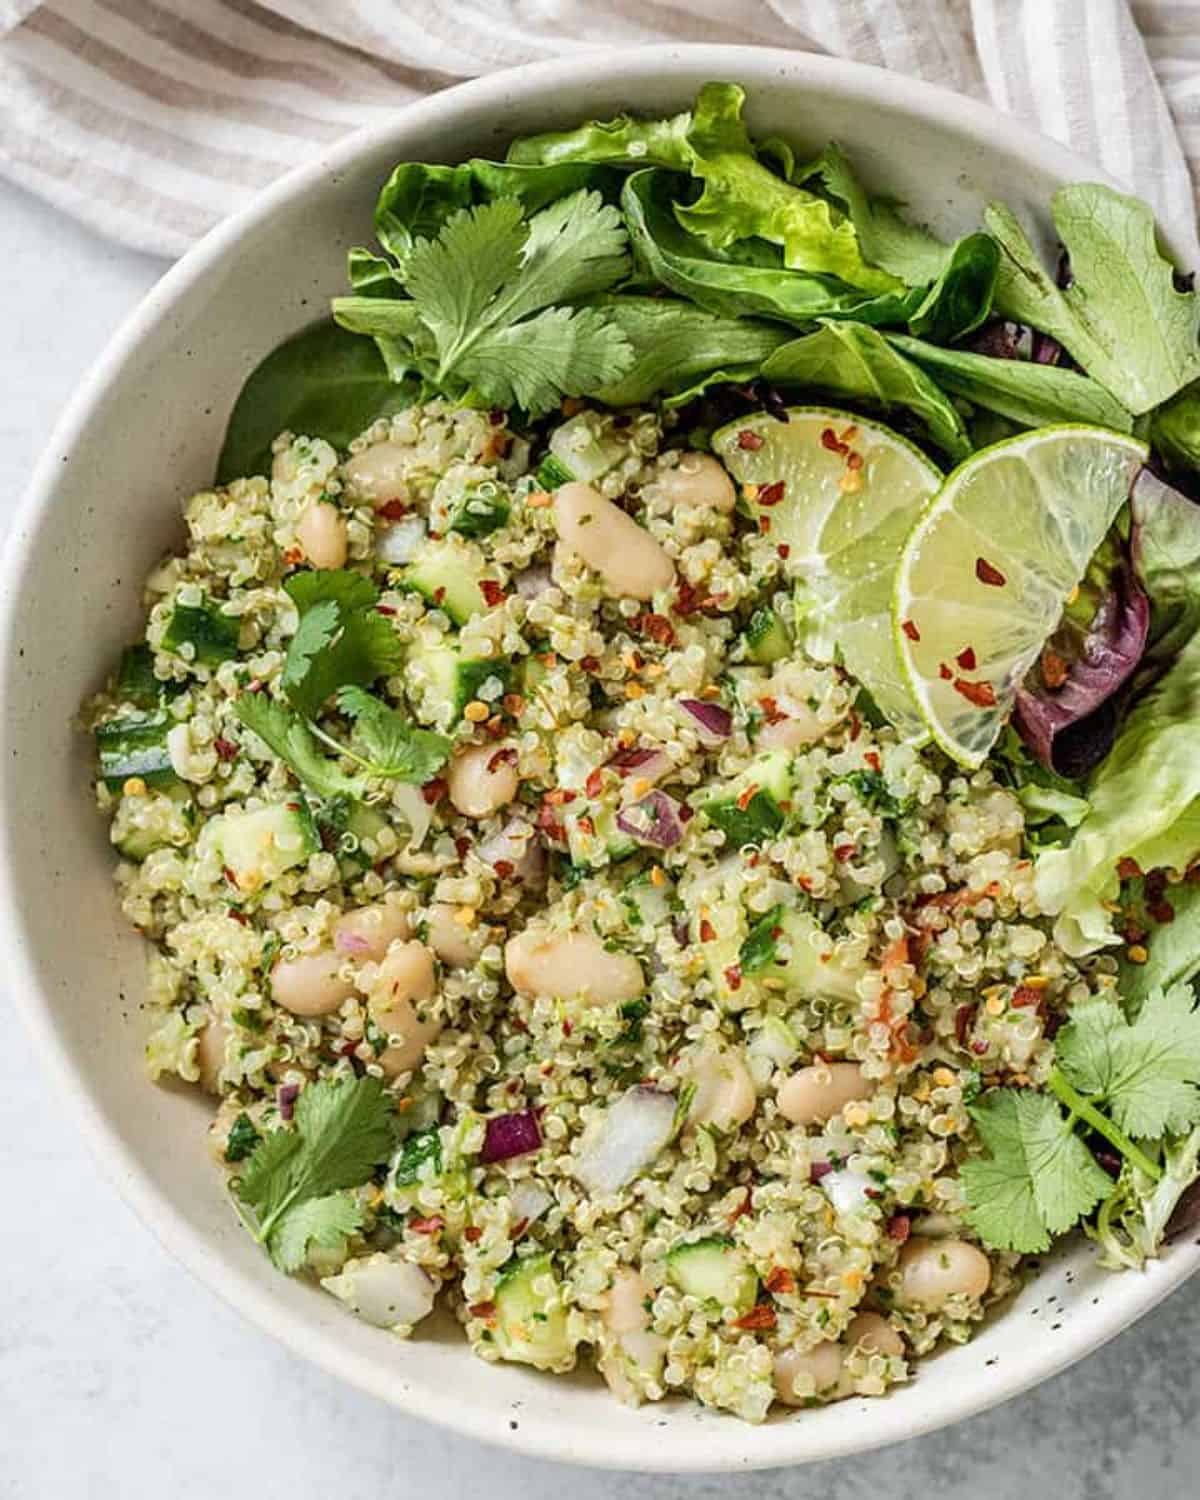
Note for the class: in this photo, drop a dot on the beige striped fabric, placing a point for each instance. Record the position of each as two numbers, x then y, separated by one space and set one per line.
151 119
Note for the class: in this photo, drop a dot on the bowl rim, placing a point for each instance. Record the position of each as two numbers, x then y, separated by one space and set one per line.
959 115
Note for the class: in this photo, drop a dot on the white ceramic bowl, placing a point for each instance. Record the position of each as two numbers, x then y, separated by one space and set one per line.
142 433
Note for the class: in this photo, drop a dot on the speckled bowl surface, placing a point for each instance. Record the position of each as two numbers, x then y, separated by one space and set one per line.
141 434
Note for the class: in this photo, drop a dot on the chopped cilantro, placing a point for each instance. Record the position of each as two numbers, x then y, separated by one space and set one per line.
242 1138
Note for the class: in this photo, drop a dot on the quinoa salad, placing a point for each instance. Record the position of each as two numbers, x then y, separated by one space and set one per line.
661 786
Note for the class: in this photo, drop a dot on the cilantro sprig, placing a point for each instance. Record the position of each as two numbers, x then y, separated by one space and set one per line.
341 638
295 1188
1132 1083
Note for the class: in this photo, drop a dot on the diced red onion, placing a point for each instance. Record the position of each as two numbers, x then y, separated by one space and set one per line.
818 1170
506 1136
714 722
626 1139
285 1098
532 583
648 761
401 542
655 820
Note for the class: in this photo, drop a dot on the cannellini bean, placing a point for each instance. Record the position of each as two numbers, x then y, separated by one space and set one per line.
210 1053
823 1364
698 479
876 1335
815 1094
369 931
321 535
571 964
481 780
396 990
311 985
454 942
628 559
725 1094
636 1348
377 473
625 1306
792 733
932 1271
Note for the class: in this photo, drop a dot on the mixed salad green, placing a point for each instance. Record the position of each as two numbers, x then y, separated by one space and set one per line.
680 261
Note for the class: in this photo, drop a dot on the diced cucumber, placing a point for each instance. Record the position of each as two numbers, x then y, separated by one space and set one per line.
442 680
772 1046
136 682
646 903
135 746
448 574
212 635
531 1321
157 824
484 508
721 936
752 810
586 447
812 971
606 843
714 1270
257 847
768 639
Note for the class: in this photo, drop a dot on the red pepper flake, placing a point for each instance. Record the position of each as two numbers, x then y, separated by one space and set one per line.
593 785
784 551
393 510
506 756
758 1318
1025 997
1128 869
558 795
944 672
687 601
589 663
492 593
770 494
433 791
656 627
742 1208
899 1228
226 749
843 852
834 444
910 630
981 694
855 726
550 825
293 556
1161 911
462 846
966 659
993 577
439 595
241 919
872 759
504 868
779 1281
747 796
384 609
586 827
979 1048
431 1225
964 1019
733 977
229 875
764 524
472 1234
750 441
484 1310
1054 670
855 462
566 1028
707 930
774 714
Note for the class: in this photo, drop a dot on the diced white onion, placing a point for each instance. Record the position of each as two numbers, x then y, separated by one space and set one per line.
401 542
626 1138
384 1291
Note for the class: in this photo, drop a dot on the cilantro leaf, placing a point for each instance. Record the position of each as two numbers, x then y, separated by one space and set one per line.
387 744
1038 1178
1147 1071
291 739
562 352
315 1221
340 639
342 1130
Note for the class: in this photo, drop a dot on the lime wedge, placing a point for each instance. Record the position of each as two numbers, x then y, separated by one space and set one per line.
988 568
838 495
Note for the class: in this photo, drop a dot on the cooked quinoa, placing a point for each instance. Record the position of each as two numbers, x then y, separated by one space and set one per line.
715 956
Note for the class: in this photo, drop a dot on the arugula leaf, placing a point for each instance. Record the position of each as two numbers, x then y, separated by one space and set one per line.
1029 394
623 141
315 1221
343 1129
323 383
1122 318
1147 1071
340 639
387 744
857 363
291 739
1038 1178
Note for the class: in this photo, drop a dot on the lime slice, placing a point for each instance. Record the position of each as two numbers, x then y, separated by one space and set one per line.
838 495
988 568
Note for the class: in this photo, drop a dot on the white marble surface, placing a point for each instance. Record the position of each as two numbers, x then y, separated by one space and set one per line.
120 1377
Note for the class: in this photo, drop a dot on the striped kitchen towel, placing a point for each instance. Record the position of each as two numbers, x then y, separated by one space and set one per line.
151 119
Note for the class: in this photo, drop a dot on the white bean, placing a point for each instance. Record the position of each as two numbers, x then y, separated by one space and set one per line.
815 1094
792 733
369 931
725 1094
453 941
932 1271
377 473
625 1306
210 1053
396 990
569 965
628 559
636 1348
482 780
321 535
801 1374
876 1335
311 985
701 480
